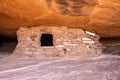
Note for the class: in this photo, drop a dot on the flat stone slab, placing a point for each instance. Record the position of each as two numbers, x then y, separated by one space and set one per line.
105 67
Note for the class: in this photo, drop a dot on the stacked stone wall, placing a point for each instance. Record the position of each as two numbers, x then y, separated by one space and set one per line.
66 42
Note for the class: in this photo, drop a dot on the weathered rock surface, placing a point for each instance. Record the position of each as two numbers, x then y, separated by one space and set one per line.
99 68
100 16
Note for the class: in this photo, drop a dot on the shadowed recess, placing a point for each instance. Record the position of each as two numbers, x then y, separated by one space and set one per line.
7 45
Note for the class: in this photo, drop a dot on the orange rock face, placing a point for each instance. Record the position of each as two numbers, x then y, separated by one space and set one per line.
100 16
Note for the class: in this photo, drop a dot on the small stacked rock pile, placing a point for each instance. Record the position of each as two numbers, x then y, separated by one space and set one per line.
66 42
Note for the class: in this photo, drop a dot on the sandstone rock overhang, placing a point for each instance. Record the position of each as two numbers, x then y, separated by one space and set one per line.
100 16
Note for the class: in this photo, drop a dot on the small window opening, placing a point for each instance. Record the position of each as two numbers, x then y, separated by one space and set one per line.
46 40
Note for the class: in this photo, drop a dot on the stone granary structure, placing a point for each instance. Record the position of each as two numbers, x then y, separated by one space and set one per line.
56 41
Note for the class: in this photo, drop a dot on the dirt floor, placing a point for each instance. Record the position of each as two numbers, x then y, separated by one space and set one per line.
104 67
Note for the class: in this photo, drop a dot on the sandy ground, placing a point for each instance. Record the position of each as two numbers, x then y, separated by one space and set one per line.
104 67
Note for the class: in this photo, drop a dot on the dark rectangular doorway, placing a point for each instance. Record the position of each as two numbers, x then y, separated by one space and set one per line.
46 40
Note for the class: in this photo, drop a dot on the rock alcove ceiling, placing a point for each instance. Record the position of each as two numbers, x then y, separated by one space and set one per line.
100 16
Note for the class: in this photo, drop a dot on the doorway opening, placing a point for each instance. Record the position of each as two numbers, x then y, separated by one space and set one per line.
46 40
